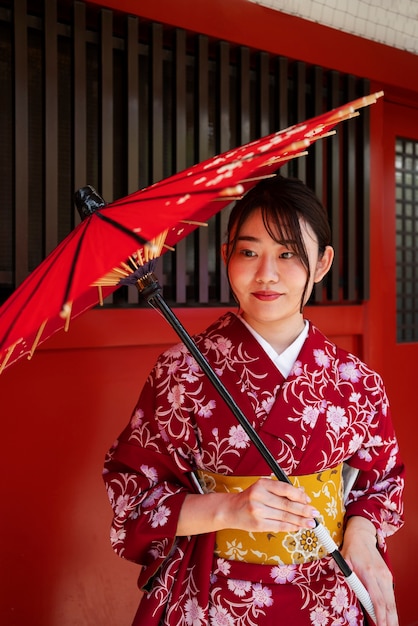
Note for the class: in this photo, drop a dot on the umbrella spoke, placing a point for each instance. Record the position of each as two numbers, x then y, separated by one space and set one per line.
192 223
143 258
8 355
255 179
37 339
65 314
123 229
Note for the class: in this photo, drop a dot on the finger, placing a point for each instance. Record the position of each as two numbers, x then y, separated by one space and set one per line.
385 609
296 494
291 521
278 514
385 602
288 499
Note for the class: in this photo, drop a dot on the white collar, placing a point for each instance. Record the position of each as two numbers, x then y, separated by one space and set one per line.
286 360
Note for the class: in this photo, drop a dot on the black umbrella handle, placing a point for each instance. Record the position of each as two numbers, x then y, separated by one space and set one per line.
150 289
156 299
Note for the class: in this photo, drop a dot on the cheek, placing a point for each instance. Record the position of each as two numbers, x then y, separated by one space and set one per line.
296 273
231 270
238 272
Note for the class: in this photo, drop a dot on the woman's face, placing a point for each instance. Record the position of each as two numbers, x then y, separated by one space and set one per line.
268 278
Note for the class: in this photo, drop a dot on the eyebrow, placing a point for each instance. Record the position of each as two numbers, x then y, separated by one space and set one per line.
250 238
247 238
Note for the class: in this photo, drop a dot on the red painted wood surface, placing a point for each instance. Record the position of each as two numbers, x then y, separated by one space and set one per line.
398 363
61 411
262 28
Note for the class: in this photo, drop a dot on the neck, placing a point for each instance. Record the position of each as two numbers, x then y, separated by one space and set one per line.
280 335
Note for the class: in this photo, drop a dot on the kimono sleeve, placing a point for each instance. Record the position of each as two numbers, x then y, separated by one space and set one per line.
378 491
146 482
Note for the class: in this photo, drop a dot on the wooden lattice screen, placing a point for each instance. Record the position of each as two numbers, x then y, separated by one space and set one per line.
406 168
89 96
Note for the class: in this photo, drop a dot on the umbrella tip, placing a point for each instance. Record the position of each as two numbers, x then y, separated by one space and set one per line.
87 201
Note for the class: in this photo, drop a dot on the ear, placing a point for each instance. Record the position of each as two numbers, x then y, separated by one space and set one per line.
323 264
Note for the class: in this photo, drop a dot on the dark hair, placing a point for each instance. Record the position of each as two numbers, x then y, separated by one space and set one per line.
283 202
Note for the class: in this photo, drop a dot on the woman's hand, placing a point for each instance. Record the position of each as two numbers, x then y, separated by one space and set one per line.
266 506
270 506
360 551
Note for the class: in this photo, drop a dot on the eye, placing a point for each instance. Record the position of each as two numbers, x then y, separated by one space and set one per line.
287 255
247 253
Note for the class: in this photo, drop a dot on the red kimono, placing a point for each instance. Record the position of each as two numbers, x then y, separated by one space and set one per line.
331 409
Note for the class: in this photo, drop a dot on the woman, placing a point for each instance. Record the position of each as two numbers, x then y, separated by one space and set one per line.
220 541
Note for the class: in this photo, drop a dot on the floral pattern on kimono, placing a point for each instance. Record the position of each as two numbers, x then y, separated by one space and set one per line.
331 409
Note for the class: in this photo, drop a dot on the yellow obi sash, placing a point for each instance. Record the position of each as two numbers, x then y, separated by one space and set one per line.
326 491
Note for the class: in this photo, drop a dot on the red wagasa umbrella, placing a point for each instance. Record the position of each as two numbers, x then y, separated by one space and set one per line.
74 276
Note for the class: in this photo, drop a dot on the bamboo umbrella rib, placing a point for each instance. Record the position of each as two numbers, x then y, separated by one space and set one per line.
66 314
8 355
193 223
37 339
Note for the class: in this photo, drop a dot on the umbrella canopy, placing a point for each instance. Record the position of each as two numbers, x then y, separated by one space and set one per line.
146 223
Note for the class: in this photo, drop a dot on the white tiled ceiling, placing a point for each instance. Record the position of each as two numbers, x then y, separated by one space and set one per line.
391 22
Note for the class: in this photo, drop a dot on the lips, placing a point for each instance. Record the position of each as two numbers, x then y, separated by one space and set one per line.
266 296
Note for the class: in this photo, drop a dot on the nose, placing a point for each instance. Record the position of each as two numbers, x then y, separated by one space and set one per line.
267 270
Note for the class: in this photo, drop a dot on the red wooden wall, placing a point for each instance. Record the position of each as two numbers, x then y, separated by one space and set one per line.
61 411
